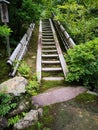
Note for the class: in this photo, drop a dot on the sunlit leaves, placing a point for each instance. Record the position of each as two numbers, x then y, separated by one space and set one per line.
5 31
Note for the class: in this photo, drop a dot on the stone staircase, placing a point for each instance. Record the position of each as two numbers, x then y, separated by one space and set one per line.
52 66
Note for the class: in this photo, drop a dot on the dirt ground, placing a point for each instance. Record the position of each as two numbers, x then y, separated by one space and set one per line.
74 115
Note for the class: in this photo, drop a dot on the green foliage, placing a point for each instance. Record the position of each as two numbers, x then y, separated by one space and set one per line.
78 20
5 104
89 3
13 120
22 13
32 87
39 125
82 63
30 10
47 117
24 69
48 7
5 31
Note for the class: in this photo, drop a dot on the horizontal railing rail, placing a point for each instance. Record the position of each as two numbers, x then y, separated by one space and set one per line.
64 36
20 50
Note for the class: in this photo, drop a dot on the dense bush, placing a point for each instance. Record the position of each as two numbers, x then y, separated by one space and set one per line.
21 14
82 63
78 21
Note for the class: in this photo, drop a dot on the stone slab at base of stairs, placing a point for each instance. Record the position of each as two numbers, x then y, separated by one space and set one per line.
57 95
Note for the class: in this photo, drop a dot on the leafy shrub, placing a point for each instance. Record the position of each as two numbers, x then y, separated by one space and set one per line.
32 87
82 63
13 120
24 69
5 31
5 104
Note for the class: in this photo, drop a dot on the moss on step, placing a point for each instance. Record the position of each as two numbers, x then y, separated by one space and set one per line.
51 84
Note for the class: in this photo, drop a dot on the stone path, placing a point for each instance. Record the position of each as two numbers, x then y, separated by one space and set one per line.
57 95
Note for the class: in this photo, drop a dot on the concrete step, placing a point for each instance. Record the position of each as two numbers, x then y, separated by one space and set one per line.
53 78
47 34
47 31
45 23
48 47
46 28
48 56
47 37
51 69
49 40
48 51
48 43
51 62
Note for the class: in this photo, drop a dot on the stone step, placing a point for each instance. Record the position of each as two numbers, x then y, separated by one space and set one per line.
47 34
51 69
47 56
47 31
51 62
57 95
46 27
47 51
46 22
48 43
47 37
50 39
48 47
53 78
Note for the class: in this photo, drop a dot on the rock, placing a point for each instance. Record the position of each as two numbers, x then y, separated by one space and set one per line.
3 123
40 112
36 106
93 93
30 119
14 86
